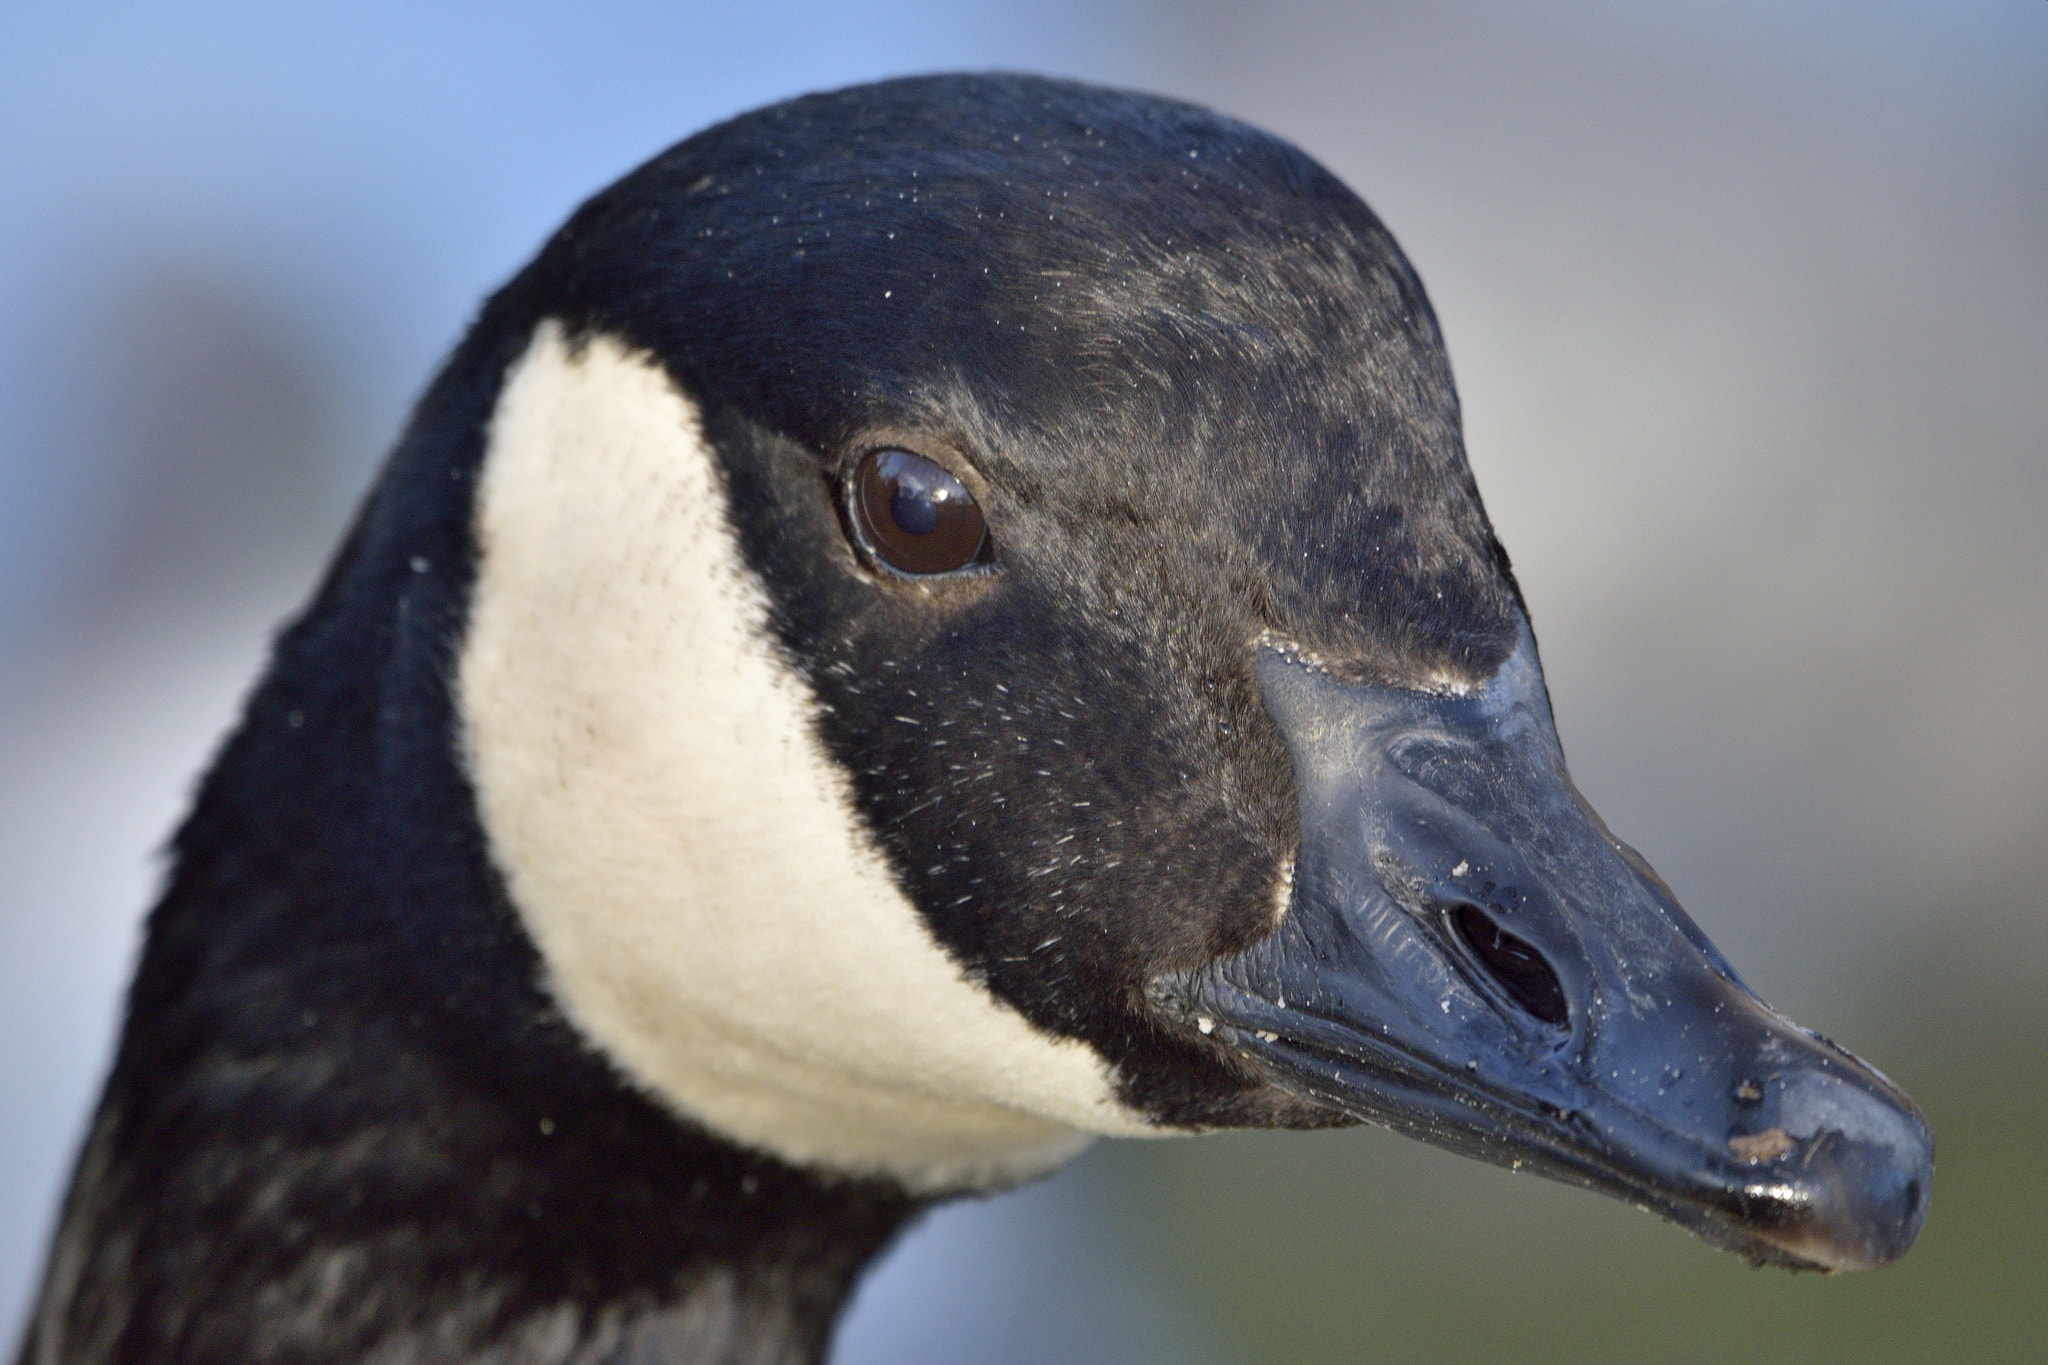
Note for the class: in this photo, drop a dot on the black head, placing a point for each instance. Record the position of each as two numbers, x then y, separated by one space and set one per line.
1200 398
1201 761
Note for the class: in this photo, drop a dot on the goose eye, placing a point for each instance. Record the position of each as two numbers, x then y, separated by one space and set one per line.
917 518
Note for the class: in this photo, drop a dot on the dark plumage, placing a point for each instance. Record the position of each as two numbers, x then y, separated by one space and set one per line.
1204 403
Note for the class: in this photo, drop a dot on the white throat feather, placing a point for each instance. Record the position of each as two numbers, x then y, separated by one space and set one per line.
710 910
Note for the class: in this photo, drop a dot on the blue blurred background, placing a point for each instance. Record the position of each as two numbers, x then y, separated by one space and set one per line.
1749 308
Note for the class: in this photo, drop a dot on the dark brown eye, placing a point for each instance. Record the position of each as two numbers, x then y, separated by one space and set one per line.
917 518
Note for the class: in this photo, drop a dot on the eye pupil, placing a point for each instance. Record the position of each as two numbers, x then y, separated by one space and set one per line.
915 516
914 510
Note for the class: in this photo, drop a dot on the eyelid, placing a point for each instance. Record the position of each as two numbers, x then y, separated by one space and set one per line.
943 453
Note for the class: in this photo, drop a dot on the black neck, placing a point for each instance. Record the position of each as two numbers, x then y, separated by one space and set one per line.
269 1179
345 1117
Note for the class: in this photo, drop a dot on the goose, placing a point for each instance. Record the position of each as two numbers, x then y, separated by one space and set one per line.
932 623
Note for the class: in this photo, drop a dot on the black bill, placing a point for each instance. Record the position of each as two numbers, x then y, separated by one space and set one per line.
1470 957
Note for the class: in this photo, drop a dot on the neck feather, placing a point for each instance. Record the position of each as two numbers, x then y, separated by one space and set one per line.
346 1122
271 1179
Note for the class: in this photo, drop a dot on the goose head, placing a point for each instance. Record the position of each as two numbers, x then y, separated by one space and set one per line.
983 634
932 623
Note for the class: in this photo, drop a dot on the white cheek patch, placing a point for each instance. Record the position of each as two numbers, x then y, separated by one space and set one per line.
710 911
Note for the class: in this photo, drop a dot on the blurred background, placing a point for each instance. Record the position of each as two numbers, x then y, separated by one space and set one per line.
1748 303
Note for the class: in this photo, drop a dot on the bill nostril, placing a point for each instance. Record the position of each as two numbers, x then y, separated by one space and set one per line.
1514 963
